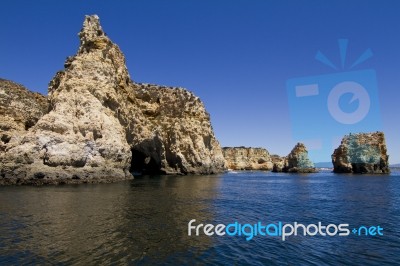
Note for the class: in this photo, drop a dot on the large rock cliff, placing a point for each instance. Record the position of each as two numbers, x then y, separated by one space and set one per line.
98 118
173 135
363 153
242 158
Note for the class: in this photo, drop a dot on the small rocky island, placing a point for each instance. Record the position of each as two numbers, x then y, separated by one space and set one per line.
363 153
97 125
243 158
296 162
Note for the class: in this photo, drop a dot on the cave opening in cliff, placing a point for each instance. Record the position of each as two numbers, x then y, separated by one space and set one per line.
144 164
6 139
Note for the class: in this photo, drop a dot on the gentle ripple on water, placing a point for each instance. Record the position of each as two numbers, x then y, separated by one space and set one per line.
144 221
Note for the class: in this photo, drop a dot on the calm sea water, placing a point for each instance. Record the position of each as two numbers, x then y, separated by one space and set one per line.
145 221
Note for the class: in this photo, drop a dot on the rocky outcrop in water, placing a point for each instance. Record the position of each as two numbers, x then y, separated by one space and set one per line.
242 158
363 153
100 124
176 136
296 162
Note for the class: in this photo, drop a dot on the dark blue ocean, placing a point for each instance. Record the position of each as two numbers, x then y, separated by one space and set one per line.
145 221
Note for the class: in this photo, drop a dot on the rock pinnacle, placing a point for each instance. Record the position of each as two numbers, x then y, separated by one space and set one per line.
92 34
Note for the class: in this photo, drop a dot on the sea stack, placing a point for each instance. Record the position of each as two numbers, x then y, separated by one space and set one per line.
100 125
362 153
243 158
296 162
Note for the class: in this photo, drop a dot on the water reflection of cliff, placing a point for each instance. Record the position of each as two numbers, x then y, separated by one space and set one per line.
144 220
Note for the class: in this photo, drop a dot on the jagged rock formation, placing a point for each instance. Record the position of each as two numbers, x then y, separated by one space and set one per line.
176 136
278 163
98 118
20 109
296 162
242 158
363 153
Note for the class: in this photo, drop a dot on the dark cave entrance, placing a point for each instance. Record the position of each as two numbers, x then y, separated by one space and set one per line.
6 139
144 164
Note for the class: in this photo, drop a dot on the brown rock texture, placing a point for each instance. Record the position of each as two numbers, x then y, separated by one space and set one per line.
98 118
296 162
278 163
173 135
243 158
20 109
362 153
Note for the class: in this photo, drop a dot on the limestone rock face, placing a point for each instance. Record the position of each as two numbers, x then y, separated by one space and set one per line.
278 163
173 135
20 109
363 153
296 162
98 118
242 158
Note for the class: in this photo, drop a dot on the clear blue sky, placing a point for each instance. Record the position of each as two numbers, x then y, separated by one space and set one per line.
235 55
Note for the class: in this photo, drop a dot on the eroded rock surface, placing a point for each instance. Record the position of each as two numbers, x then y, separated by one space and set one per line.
296 162
98 117
20 109
242 158
174 134
278 163
363 153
